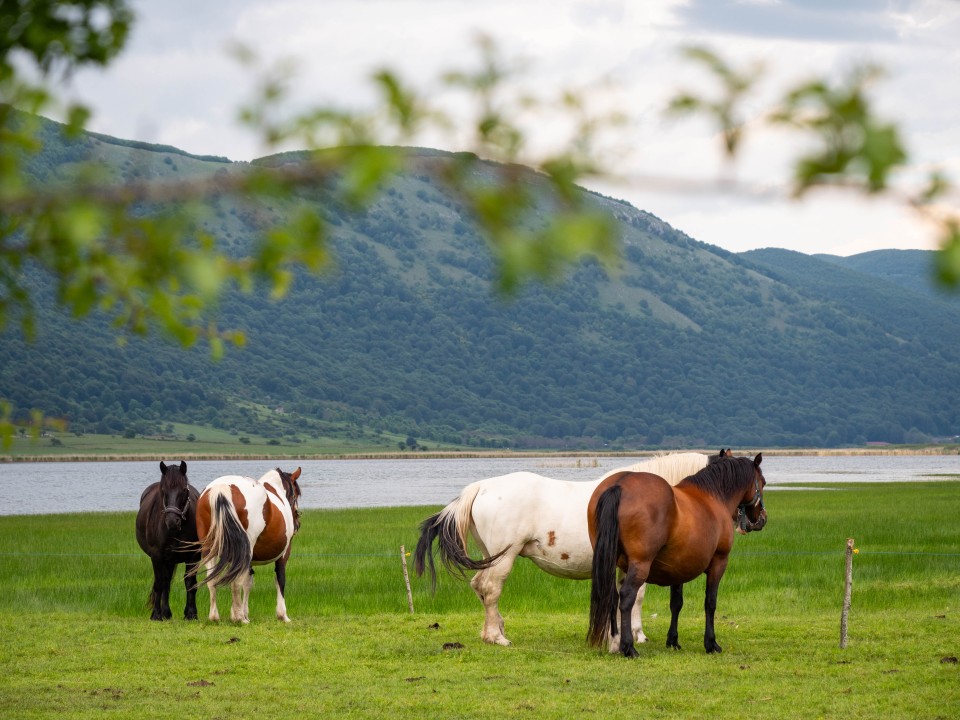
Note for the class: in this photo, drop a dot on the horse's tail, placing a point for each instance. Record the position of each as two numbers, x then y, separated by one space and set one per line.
604 598
450 527
227 541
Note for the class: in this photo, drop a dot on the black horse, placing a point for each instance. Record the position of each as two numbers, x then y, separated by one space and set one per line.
167 532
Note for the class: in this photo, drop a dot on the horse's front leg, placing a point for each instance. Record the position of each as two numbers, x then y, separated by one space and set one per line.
190 582
168 567
714 575
280 568
156 594
676 605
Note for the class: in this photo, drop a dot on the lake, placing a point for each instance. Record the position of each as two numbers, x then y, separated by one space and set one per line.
38 488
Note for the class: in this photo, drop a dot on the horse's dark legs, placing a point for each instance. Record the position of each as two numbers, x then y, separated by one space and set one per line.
628 596
714 574
162 575
676 605
190 582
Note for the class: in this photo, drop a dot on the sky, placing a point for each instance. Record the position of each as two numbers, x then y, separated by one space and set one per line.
179 83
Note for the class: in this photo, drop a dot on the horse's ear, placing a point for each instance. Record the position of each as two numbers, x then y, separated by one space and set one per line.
183 467
723 453
163 467
295 474
758 459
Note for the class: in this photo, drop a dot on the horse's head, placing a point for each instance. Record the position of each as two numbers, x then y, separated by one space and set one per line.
292 490
751 514
175 492
720 455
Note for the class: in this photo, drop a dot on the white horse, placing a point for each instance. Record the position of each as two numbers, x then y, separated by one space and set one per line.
528 515
243 522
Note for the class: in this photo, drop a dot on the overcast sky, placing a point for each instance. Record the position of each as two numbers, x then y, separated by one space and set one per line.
177 83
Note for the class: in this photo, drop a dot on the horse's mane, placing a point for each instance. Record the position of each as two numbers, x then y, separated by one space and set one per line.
673 467
725 477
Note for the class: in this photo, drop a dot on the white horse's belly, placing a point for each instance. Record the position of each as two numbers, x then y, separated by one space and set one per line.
558 561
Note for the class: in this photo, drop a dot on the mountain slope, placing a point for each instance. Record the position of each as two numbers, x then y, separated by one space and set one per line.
680 344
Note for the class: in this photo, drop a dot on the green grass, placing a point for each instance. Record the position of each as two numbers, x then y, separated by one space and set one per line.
77 641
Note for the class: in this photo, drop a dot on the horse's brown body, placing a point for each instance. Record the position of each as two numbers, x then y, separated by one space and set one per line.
667 536
658 512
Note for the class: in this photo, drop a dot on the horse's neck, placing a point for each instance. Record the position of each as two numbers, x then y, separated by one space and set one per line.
691 487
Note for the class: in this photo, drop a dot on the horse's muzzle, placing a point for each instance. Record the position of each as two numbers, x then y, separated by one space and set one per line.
745 525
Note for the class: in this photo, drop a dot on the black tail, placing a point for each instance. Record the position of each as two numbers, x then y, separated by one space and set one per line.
604 598
228 542
443 528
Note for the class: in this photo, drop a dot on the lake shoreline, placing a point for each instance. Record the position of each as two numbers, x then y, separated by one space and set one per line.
493 454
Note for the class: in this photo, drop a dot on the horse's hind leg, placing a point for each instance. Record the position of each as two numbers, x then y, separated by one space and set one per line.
281 577
636 619
239 606
212 588
488 585
629 591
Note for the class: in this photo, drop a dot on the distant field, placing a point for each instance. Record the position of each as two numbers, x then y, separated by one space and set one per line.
211 443
205 442
77 641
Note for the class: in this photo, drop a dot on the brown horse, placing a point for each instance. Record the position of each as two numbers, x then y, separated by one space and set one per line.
668 536
167 532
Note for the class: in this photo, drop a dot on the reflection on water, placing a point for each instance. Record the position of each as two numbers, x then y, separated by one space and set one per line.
33 488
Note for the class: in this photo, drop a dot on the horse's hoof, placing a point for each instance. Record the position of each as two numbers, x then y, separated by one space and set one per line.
641 638
496 640
629 652
714 648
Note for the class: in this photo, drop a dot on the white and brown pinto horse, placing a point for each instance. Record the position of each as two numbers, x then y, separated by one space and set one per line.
243 522
527 515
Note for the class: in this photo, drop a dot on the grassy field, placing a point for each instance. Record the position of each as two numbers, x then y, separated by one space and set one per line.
77 641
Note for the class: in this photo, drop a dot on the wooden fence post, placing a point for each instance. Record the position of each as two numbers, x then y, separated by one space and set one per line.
847 593
406 577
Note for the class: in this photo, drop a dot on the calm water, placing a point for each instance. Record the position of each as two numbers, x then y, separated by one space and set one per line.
37 488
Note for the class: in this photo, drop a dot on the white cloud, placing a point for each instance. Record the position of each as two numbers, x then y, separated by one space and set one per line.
177 84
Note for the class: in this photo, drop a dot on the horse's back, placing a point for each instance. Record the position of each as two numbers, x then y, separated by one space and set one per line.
523 499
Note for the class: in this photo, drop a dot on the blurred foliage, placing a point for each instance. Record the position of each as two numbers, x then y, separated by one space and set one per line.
851 146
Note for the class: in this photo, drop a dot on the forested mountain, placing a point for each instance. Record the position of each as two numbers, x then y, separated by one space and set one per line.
910 268
680 344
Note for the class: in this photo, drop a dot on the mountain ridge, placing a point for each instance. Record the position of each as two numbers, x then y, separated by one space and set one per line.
677 344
